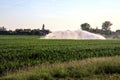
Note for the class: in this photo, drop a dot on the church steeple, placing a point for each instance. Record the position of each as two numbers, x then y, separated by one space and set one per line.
43 27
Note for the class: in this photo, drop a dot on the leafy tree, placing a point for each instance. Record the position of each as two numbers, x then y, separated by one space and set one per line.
106 26
85 26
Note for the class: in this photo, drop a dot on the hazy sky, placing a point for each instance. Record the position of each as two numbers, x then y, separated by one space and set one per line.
58 14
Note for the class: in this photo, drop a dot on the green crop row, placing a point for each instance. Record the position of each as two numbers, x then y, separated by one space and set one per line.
23 51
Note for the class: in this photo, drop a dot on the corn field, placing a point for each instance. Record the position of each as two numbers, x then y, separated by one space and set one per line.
23 51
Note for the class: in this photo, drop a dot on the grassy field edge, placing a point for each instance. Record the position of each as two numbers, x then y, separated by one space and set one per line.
92 68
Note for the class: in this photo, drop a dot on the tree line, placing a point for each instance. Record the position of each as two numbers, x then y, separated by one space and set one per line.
106 29
41 32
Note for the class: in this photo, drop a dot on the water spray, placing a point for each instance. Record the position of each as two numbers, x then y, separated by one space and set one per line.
77 34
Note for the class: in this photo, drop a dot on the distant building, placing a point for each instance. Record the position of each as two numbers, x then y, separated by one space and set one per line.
3 29
44 31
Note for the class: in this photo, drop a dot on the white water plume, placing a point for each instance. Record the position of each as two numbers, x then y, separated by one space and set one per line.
77 34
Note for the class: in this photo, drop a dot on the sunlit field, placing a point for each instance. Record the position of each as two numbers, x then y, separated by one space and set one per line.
29 57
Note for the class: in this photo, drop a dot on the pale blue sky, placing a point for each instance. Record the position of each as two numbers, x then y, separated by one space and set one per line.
58 14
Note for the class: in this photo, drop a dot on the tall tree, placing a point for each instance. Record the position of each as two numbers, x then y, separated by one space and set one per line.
106 26
85 26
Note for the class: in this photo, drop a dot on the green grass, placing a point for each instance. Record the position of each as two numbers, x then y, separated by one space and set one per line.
107 68
18 52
